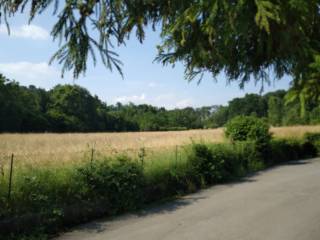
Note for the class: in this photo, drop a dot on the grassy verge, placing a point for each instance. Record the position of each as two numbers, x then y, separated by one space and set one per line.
46 200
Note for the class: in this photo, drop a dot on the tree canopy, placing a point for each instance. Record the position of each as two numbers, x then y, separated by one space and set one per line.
243 38
71 108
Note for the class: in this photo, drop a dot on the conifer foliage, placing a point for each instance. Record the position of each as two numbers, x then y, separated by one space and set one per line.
242 38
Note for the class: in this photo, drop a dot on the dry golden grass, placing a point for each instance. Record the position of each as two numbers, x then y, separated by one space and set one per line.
63 148
294 131
50 148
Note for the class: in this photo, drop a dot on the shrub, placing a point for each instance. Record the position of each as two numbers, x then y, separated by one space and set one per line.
251 160
309 149
248 128
233 162
206 164
314 139
41 190
283 150
119 182
170 182
216 163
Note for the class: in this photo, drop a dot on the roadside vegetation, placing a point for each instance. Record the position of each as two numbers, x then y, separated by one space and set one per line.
47 199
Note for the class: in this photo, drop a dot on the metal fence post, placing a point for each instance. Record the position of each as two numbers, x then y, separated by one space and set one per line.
176 163
92 152
10 177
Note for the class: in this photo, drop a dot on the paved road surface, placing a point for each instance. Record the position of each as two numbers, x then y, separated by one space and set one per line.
282 203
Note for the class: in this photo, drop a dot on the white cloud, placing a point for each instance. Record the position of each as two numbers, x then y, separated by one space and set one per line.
33 32
27 73
171 101
134 98
184 103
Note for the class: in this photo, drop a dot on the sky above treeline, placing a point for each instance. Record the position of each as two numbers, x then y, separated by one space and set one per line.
26 52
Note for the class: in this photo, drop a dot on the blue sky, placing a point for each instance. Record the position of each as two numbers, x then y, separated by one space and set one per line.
26 52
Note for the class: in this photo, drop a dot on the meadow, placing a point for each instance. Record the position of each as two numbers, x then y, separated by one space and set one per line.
104 174
55 149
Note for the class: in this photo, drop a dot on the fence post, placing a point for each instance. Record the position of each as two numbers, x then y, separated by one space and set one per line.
92 152
1 170
141 155
176 163
10 177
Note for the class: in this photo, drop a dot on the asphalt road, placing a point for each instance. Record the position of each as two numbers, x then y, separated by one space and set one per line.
282 203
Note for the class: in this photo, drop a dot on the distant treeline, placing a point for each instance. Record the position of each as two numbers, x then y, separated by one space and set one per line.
274 107
71 108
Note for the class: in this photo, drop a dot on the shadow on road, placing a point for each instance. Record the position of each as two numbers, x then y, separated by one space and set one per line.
298 162
158 208
164 208
280 165
174 205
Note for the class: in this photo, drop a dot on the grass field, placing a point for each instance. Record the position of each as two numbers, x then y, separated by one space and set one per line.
51 148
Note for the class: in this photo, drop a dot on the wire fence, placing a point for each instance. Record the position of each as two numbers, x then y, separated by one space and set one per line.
11 164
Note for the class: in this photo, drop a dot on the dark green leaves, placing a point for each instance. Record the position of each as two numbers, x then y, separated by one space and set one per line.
243 39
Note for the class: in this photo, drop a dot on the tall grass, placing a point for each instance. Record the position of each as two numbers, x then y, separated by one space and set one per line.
61 149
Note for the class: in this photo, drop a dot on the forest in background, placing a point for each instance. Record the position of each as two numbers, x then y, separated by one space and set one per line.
71 108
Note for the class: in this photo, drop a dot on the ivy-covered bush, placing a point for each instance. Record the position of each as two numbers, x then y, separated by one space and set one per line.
248 128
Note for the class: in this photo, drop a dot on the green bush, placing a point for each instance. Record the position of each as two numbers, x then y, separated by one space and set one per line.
314 139
170 182
119 182
251 159
39 190
308 149
217 163
206 164
248 128
234 163
283 150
